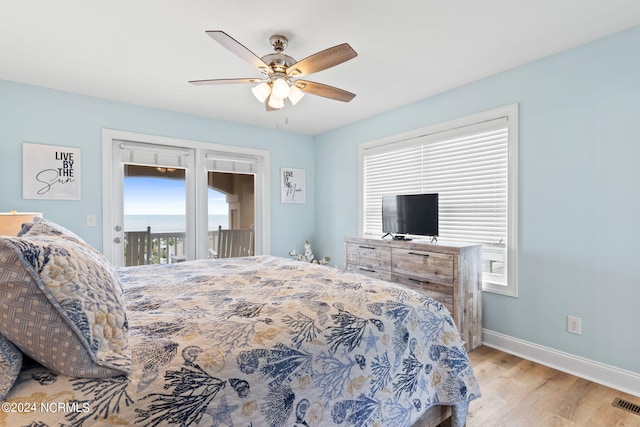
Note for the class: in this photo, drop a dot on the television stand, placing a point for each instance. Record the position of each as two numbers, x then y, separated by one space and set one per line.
450 273
397 237
401 237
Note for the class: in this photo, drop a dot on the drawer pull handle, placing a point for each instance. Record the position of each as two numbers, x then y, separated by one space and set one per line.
367 247
424 282
367 270
415 253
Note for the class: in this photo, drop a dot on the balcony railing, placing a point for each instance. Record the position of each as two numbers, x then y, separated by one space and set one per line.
167 248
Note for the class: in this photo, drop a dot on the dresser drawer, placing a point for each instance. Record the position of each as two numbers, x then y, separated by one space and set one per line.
425 265
369 255
369 271
441 292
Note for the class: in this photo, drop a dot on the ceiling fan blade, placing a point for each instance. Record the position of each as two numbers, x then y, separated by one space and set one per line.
236 47
322 60
223 81
324 90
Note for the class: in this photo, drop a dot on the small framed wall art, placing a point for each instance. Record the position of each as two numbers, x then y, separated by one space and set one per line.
50 172
292 185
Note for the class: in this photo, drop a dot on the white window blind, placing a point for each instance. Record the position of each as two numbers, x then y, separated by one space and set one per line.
153 155
467 167
470 174
396 171
224 162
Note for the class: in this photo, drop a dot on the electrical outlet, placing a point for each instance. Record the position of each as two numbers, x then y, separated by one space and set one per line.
574 325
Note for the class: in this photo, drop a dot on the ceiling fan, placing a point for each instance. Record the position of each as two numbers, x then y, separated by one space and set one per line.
280 71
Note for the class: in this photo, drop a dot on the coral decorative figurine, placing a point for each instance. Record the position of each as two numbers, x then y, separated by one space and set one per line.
308 256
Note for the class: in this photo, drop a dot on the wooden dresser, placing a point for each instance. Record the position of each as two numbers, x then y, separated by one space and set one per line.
449 273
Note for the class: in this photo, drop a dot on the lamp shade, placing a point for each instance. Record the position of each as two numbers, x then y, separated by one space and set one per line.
262 91
295 94
280 88
11 222
275 102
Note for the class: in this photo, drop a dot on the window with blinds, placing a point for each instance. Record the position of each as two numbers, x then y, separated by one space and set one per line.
468 166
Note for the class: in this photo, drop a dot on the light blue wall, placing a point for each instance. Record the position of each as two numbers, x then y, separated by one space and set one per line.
34 114
579 203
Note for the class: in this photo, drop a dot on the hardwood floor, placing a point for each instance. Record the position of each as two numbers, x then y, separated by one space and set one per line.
520 393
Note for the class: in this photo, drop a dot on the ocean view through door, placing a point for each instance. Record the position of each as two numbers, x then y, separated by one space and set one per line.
155 204
154 214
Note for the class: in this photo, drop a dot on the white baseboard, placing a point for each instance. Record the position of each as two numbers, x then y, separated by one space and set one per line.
610 376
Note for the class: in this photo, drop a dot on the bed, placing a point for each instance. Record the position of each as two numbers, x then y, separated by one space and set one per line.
256 341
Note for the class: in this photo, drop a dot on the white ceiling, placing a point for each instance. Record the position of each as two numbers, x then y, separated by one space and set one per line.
144 51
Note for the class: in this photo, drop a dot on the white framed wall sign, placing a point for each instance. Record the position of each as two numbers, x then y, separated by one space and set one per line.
292 185
50 172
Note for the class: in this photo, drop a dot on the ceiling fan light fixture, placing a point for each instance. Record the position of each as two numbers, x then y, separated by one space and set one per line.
280 71
275 102
262 91
295 94
280 88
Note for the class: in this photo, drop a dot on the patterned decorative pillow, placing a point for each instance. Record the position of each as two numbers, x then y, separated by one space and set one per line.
10 364
41 226
61 304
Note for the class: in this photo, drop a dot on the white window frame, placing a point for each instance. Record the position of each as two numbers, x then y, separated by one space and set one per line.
511 113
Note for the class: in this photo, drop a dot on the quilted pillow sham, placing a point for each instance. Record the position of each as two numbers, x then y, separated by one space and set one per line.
10 364
61 304
41 226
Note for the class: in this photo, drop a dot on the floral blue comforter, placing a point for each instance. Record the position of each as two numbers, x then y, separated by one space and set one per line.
262 341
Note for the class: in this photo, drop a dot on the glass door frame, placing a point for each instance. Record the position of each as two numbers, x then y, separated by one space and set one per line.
197 223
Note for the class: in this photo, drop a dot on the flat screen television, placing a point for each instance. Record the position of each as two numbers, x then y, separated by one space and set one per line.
415 214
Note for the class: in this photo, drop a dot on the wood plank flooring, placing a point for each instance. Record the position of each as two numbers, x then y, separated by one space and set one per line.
520 393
